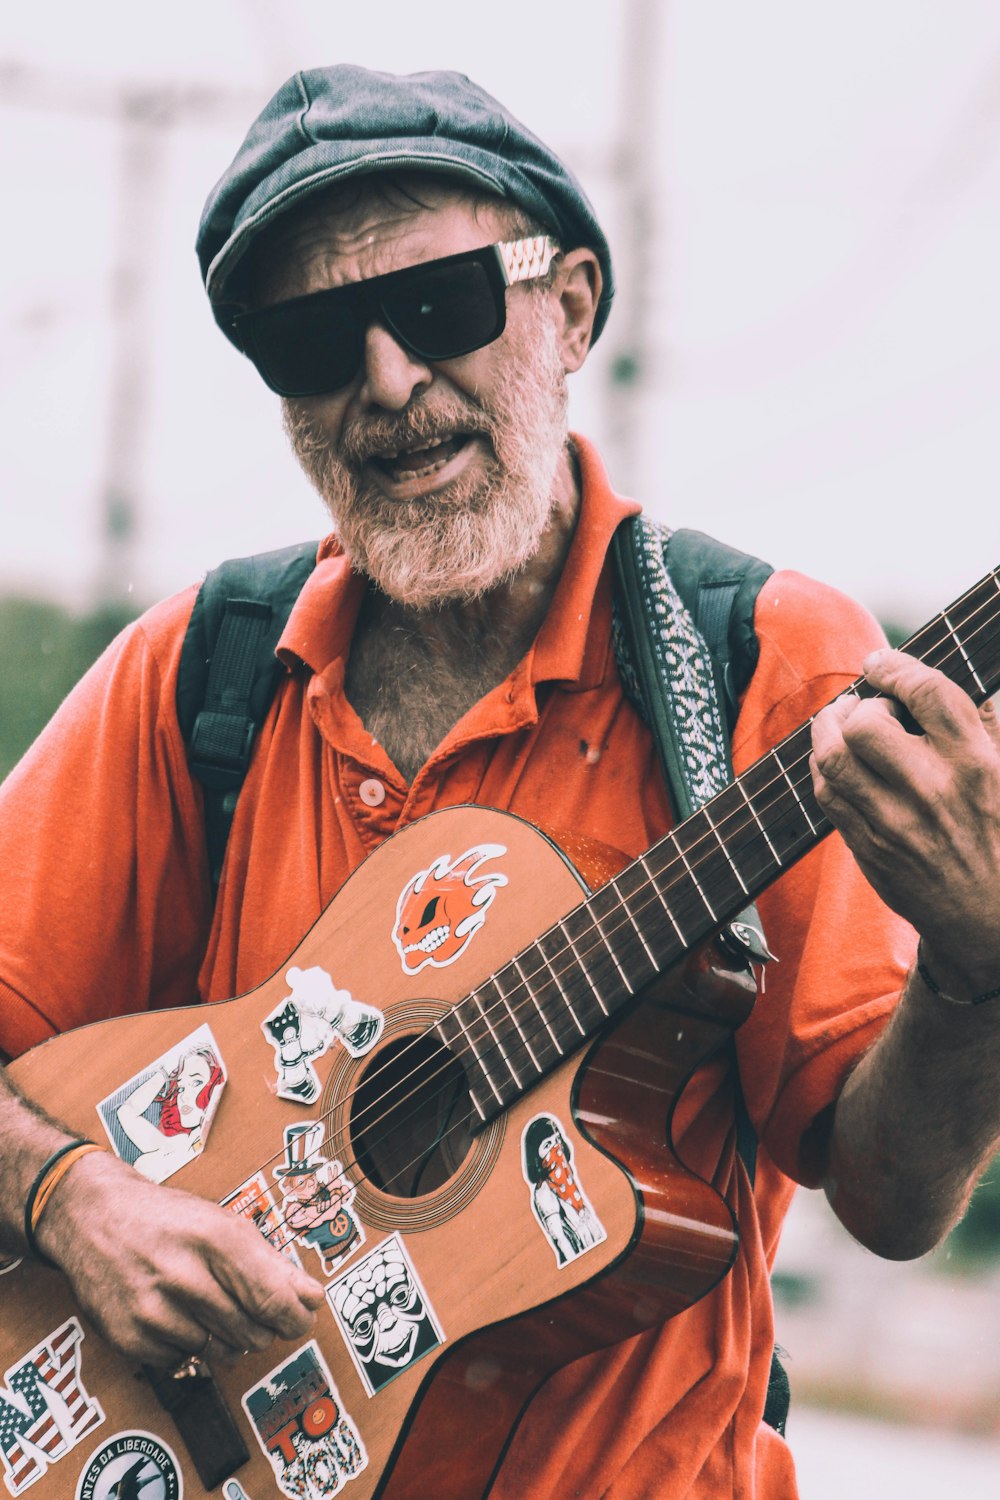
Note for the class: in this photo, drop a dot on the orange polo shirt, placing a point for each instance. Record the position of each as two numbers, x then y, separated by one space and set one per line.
106 910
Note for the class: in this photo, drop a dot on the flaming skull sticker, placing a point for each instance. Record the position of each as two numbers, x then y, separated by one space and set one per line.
441 907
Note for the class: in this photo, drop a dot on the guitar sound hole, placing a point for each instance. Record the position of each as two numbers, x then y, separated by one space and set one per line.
410 1118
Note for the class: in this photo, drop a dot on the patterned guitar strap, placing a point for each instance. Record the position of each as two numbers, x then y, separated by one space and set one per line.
668 671
671 672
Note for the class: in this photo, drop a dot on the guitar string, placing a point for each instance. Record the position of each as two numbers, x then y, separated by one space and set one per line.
539 1034
541 1029
497 1008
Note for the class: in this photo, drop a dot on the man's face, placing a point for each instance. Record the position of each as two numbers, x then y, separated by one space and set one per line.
439 476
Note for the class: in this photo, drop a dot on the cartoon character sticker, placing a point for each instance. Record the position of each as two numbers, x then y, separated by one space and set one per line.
384 1314
159 1120
303 1429
558 1202
45 1410
131 1466
441 909
254 1200
311 1019
318 1199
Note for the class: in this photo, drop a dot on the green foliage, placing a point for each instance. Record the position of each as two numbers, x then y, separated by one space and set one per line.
44 651
975 1243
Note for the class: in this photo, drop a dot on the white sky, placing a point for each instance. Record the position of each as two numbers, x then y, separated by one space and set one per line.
821 317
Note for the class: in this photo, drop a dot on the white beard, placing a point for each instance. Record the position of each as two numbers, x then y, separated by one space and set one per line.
474 534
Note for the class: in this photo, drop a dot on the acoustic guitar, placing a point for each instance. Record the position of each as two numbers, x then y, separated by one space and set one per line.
453 1104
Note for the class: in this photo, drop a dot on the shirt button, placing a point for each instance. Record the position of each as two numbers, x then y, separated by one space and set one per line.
372 792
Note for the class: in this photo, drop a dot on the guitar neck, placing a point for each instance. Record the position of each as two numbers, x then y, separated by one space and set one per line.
544 1004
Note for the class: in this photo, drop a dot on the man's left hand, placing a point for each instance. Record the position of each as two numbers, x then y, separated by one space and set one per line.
921 812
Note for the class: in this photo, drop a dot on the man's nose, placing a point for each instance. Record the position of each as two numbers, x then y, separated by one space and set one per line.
392 375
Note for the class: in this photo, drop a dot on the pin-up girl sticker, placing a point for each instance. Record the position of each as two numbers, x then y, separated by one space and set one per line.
159 1120
558 1202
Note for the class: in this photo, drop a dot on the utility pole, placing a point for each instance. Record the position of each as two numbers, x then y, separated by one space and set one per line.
145 113
633 348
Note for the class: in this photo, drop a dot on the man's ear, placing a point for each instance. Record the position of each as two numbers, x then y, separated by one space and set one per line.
577 288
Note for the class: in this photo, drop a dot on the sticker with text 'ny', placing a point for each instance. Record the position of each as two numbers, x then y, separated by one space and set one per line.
159 1120
311 1018
254 1200
384 1314
296 1412
45 1410
441 909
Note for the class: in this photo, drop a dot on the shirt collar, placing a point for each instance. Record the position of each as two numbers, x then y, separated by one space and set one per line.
321 624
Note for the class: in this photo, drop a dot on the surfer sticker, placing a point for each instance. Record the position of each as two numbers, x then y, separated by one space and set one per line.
254 1200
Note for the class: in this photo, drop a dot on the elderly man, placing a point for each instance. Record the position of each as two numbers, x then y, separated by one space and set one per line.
453 645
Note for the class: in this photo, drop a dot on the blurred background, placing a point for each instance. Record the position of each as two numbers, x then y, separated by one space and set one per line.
804 359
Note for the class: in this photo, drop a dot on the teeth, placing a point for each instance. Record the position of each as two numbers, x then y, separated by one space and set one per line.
416 447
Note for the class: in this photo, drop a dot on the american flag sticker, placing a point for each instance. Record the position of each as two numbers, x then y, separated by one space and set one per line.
45 1411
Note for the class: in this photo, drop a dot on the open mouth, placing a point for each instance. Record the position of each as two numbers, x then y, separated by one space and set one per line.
421 463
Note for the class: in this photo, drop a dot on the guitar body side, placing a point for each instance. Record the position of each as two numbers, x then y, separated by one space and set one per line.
504 1304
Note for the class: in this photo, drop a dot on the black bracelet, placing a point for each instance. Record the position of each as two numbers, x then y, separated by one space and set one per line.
936 989
33 1191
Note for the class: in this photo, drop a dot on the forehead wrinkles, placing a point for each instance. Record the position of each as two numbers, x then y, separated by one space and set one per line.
330 243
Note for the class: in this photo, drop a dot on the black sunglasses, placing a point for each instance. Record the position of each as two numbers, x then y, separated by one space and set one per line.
438 309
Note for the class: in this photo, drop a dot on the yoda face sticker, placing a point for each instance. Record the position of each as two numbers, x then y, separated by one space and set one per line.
383 1314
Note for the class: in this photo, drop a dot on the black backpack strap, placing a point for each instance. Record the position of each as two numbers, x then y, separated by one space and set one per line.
229 673
720 585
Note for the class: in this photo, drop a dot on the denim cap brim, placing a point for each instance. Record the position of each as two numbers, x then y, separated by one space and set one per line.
328 124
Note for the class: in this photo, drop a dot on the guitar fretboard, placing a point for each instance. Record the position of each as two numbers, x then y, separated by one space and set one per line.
560 990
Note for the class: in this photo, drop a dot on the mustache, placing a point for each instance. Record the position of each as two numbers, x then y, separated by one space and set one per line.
416 426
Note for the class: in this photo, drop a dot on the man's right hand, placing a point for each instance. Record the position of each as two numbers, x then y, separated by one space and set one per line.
160 1272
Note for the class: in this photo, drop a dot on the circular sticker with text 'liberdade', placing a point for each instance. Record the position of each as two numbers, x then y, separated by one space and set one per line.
131 1466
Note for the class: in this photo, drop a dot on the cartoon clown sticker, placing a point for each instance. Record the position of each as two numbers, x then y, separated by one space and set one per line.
308 1022
558 1202
441 908
318 1199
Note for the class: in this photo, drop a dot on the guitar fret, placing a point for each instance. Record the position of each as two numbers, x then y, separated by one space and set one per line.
728 857
614 955
663 902
592 982
499 1044
774 853
793 789
450 1046
538 1006
694 879
495 981
965 655
554 975
638 930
